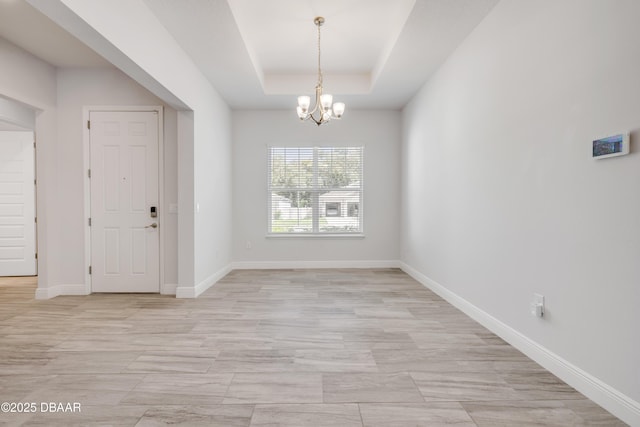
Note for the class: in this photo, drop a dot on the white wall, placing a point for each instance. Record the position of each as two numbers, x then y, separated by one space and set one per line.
16 116
32 82
155 60
58 96
25 78
78 88
501 198
213 193
377 131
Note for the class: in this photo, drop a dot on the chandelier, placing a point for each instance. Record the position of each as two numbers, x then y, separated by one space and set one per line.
324 108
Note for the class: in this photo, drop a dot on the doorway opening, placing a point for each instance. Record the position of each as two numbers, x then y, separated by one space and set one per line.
18 235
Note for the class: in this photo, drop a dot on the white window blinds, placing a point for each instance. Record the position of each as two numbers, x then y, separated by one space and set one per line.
315 190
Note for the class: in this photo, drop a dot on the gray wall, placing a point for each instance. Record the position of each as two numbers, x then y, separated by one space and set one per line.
501 198
377 131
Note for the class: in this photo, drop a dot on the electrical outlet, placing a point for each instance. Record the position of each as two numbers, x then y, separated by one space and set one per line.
537 306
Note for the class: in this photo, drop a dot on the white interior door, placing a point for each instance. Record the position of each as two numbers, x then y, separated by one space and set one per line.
17 205
125 244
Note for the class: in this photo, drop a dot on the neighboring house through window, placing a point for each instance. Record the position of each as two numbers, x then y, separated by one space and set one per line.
332 209
353 209
315 190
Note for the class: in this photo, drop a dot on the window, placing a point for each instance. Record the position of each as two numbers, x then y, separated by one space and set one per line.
332 209
315 190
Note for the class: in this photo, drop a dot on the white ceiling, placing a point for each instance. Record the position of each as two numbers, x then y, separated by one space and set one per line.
260 54
375 53
281 39
24 26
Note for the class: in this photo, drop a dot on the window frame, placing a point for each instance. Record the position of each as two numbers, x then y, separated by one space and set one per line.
315 191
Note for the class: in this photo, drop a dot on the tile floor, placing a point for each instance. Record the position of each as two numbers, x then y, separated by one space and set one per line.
273 348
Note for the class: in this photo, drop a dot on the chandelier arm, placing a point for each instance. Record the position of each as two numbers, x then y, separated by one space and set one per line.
318 104
313 119
318 122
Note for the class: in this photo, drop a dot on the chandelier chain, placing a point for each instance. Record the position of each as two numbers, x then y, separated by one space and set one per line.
319 68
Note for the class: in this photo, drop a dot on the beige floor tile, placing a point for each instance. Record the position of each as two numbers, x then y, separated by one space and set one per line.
187 361
414 415
592 415
330 360
254 361
302 346
103 415
112 382
306 415
89 362
275 388
179 389
356 388
15 387
197 416
522 413
541 386
83 396
463 386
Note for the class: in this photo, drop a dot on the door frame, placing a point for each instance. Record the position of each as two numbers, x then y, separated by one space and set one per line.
86 145
35 188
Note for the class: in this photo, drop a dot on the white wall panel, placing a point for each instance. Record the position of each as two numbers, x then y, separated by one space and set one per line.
138 180
111 251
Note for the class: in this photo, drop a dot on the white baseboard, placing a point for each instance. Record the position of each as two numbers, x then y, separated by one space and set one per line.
193 292
619 404
271 265
168 289
54 291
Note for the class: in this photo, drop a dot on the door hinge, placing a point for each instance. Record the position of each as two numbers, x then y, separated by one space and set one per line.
35 219
89 222
89 269
88 124
36 255
89 173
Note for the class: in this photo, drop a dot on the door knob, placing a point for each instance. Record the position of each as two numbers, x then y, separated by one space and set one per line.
154 225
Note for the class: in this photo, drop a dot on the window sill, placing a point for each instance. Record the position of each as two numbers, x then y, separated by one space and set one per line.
314 236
